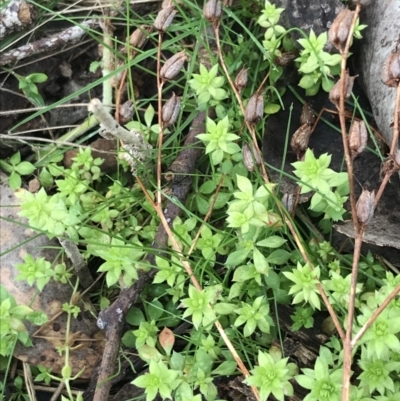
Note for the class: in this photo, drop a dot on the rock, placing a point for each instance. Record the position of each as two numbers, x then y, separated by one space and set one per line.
87 340
380 39
307 15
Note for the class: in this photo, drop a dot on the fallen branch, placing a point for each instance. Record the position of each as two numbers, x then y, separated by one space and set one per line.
69 36
16 16
112 318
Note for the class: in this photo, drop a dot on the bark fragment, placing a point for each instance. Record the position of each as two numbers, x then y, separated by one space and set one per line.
16 16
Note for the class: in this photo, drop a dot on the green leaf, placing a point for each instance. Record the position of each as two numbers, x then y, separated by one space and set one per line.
223 308
37 78
8 168
237 257
15 159
129 339
272 280
226 368
135 316
25 168
155 310
272 242
244 184
272 108
208 187
278 257
14 181
149 115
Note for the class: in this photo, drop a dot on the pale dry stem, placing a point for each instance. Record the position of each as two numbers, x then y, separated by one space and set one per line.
160 84
358 227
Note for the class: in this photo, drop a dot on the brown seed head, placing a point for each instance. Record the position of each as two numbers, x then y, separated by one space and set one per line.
334 94
139 36
251 158
391 70
300 139
164 18
126 112
307 115
173 65
254 109
212 10
241 79
358 137
170 110
285 59
365 206
340 28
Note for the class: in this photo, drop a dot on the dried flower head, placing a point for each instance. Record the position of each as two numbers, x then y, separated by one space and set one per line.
334 94
170 110
251 157
254 109
358 137
365 206
212 10
173 65
340 28
300 139
241 79
164 18
139 36
307 115
126 112
391 70
285 59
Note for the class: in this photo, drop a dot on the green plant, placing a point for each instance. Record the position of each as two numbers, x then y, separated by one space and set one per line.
160 380
219 141
16 168
272 375
28 86
208 87
317 65
12 328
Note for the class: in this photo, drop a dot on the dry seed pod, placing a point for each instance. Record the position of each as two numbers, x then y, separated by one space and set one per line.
126 112
391 70
212 10
254 109
285 59
251 158
170 110
139 36
300 139
358 137
241 79
307 115
173 65
334 94
164 18
288 202
365 206
340 28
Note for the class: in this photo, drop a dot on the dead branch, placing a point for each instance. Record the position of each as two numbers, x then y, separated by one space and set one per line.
69 36
16 16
